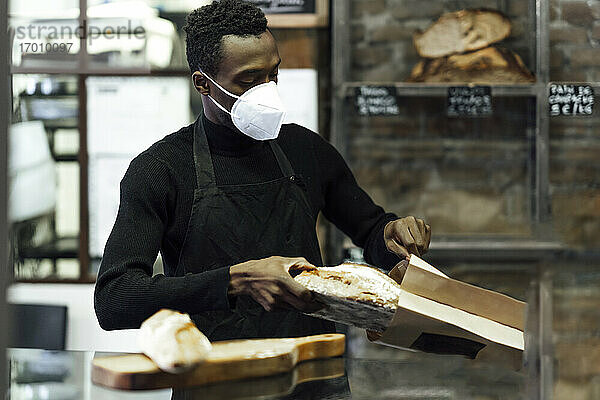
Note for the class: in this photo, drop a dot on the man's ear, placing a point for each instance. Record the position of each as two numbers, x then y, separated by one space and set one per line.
200 83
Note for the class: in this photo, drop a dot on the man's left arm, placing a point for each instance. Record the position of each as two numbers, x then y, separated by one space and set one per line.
385 238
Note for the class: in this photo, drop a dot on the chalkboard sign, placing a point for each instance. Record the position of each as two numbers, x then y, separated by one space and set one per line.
571 100
376 100
286 6
469 101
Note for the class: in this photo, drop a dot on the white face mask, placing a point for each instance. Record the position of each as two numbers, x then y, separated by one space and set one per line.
258 112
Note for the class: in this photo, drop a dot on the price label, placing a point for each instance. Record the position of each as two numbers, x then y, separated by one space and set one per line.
572 100
469 101
376 100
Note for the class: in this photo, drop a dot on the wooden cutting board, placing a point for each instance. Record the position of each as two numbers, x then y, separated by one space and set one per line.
229 360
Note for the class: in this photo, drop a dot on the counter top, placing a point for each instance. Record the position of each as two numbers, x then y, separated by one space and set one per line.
40 374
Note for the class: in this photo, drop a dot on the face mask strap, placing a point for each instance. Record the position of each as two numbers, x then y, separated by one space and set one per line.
218 105
223 90
219 86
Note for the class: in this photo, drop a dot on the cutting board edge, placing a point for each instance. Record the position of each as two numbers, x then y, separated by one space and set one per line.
314 347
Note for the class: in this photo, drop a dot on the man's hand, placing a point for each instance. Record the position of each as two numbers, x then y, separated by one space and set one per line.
406 236
270 284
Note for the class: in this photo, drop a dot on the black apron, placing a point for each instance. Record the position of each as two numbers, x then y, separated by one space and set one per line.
235 223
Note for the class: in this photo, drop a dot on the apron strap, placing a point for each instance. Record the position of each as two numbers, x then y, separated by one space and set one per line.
282 160
205 173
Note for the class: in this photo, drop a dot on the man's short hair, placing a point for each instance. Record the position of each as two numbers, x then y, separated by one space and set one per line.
206 26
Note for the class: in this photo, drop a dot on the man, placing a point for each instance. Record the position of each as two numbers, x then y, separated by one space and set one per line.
231 201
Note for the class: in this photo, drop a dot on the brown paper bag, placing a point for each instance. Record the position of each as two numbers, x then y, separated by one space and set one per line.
442 315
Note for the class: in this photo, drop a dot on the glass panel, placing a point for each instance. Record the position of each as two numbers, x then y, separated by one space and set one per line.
422 375
44 176
68 268
121 35
127 35
42 7
150 37
45 34
574 35
576 333
575 178
463 175
382 47
115 137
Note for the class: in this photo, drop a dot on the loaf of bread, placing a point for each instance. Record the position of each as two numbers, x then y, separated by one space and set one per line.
487 66
172 341
353 294
461 31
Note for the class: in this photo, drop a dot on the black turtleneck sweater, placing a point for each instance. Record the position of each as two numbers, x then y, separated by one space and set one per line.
155 205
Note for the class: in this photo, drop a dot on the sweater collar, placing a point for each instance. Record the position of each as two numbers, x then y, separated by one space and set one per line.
225 141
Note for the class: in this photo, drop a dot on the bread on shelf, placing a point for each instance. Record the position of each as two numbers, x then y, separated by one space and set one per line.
462 31
487 66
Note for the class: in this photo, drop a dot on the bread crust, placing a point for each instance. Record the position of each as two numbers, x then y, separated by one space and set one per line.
353 294
488 66
172 341
462 31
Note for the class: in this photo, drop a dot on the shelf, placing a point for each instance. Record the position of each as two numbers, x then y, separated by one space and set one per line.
433 90
57 280
66 157
63 123
495 250
67 247
137 71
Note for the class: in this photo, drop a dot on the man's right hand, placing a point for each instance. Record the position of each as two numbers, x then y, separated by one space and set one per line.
269 283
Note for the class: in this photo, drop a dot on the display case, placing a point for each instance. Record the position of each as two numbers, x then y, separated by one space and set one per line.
481 181
511 189
519 176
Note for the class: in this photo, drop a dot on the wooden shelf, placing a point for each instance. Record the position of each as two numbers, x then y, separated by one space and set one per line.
57 280
429 89
496 249
441 89
66 247
100 71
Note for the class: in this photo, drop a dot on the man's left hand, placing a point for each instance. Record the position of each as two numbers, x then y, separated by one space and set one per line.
406 236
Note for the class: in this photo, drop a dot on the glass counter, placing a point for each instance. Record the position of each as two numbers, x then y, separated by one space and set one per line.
39 374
